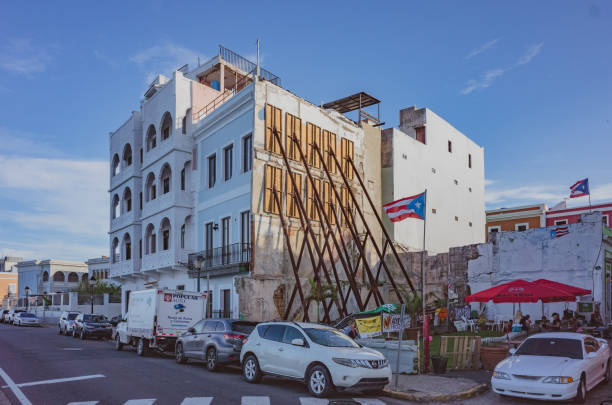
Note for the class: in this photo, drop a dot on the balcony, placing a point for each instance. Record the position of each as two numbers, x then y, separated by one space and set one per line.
122 176
159 260
222 260
123 220
121 268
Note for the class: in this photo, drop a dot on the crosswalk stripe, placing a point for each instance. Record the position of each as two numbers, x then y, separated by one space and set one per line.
255 401
369 401
140 402
313 401
197 401
84 403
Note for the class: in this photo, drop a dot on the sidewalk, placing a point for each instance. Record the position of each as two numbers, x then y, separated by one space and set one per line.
429 387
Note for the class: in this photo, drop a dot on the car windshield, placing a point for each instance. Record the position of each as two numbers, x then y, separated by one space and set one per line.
94 318
27 315
330 337
243 327
551 347
72 317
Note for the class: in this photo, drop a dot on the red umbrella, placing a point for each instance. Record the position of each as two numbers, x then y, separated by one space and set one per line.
521 291
578 292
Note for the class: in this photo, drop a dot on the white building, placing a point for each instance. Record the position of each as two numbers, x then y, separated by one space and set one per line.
99 268
8 264
49 276
429 153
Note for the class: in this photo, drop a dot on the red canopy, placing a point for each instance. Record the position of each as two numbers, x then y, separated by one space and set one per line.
578 292
521 291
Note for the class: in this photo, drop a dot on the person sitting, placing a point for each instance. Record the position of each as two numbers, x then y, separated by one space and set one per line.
508 327
525 323
351 330
556 322
544 322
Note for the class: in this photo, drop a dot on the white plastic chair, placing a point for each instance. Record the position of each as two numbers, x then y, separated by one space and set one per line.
499 322
460 326
471 324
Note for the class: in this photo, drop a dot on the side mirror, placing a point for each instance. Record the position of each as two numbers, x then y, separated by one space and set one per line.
297 342
512 351
191 330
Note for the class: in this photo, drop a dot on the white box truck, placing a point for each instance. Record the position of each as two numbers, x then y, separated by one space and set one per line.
155 318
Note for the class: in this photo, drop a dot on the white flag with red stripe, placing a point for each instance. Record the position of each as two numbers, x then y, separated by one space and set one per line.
409 207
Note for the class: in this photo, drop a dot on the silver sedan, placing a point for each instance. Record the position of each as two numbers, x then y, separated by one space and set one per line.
26 319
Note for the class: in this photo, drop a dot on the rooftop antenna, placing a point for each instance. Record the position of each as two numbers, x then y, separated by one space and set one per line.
257 72
198 60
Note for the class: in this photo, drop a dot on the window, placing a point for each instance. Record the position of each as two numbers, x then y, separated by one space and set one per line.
450 147
456 182
115 211
347 205
140 200
183 236
127 246
180 287
225 239
151 138
73 277
293 194
293 128
45 276
433 211
184 125
470 189
247 153
274 333
420 134
329 148
456 219
116 165
313 138
470 224
561 222
127 155
228 153
150 239
274 122
311 202
245 228
329 202
183 179
521 227
273 183
604 219
140 249
292 333
470 160
166 126
348 153
165 231
140 155
209 237
127 199
150 187
495 229
433 170
212 170
114 252
165 179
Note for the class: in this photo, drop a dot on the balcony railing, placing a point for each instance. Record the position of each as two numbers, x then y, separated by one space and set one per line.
246 65
224 256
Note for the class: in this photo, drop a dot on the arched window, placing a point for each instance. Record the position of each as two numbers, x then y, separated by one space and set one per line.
73 277
59 277
151 138
127 155
183 236
114 252
166 174
166 126
115 210
127 247
84 277
185 176
150 239
115 165
127 200
45 276
150 188
165 234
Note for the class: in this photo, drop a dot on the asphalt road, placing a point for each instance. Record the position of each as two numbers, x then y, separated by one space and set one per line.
29 354
55 363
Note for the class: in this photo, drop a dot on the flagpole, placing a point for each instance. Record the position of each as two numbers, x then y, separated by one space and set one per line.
425 321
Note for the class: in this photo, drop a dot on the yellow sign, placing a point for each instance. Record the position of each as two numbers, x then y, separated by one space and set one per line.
368 327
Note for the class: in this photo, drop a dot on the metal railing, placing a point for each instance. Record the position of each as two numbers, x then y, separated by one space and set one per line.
246 65
235 254
221 313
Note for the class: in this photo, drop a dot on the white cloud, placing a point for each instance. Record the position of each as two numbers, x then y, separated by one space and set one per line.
490 76
483 48
549 194
18 55
164 58
16 142
489 182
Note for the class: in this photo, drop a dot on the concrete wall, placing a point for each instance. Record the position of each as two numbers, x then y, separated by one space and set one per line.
455 191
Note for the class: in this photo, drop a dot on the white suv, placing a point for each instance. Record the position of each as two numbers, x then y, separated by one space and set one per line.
66 322
324 358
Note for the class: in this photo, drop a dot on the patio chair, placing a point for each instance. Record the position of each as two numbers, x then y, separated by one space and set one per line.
460 326
471 324
499 323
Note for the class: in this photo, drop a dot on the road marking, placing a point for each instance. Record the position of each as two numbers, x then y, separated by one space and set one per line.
18 393
313 401
59 380
197 401
84 403
72 348
369 401
140 402
255 401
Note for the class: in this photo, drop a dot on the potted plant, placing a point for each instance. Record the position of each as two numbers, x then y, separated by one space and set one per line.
492 353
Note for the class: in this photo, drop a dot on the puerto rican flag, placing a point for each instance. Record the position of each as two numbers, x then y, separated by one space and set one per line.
580 189
559 232
409 207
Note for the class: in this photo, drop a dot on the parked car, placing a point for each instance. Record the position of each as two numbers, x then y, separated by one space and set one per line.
66 322
3 314
26 319
10 316
217 341
91 325
553 366
323 357
116 319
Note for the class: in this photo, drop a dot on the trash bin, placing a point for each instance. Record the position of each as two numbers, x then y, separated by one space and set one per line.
439 364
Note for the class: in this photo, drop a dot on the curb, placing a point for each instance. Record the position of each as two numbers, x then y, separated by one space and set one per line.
472 392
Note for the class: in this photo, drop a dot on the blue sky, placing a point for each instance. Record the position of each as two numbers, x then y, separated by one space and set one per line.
529 81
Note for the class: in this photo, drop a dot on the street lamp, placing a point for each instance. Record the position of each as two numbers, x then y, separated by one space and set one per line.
27 291
92 283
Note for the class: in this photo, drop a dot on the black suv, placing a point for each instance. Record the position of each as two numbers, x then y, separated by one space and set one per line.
92 325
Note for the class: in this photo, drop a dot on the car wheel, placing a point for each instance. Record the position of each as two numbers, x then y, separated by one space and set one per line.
141 348
82 335
319 381
582 391
118 344
59 330
179 353
74 333
250 369
211 359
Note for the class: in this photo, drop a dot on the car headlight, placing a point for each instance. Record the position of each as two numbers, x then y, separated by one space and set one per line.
501 375
558 380
345 362
360 363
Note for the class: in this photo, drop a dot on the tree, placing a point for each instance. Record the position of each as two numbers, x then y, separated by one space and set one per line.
320 292
101 287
